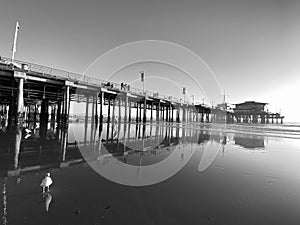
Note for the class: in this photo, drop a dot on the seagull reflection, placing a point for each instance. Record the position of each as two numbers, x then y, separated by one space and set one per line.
47 200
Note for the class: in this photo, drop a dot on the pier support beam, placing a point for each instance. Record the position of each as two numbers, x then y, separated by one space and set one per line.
113 112
20 105
145 111
86 119
262 118
178 114
67 106
108 120
44 118
140 114
96 108
151 116
101 111
183 114
157 111
137 113
129 104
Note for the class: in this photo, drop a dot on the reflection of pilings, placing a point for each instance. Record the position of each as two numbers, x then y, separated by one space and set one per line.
144 132
63 143
12 111
17 146
139 130
4 203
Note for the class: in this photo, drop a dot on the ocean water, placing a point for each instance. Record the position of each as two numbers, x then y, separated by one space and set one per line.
240 175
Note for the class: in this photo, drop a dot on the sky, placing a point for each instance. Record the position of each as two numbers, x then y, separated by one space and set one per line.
251 47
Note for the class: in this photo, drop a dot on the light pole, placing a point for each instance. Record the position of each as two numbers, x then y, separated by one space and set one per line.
143 79
183 92
145 103
14 47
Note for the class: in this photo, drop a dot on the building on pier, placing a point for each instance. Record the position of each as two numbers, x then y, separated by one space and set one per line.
255 112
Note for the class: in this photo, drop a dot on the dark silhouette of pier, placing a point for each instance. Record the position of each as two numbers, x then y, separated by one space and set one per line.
30 92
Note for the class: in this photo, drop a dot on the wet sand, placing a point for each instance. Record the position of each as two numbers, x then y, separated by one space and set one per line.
243 185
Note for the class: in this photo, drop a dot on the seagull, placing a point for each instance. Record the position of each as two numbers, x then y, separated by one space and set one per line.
46 182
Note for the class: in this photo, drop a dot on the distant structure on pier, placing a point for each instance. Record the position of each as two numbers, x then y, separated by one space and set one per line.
254 112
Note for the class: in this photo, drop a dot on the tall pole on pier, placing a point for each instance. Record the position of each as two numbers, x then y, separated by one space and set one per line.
145 103
143 79
14 47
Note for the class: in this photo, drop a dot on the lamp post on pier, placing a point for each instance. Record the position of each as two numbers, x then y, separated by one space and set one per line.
14 47
183 92
144 93
143 80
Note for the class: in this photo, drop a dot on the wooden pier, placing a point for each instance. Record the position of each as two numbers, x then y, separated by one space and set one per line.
30 92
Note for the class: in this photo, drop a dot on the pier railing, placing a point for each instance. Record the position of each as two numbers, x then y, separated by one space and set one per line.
58 73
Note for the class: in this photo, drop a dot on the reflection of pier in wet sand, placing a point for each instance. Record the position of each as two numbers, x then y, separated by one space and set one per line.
20 155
